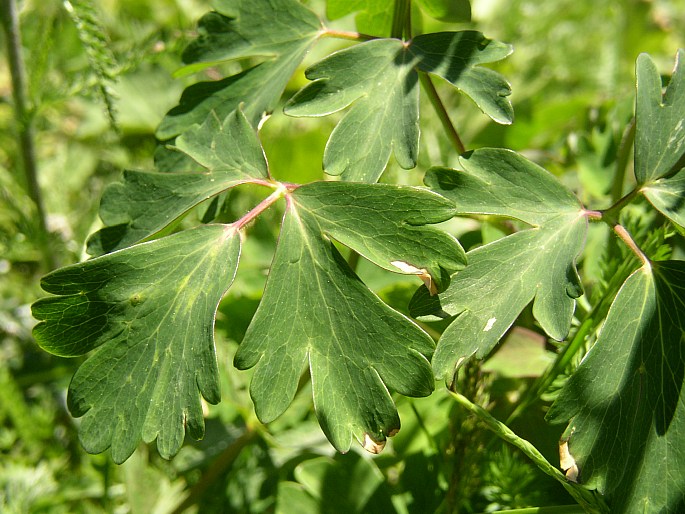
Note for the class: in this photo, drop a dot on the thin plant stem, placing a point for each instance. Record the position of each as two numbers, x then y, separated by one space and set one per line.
586 498
399 17
262 206
442 113
10 22
623 234
622 159
342 34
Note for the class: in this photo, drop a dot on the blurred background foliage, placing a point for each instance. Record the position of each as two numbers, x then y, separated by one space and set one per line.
100 79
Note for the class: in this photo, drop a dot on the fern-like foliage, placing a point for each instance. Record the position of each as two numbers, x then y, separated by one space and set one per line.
100 56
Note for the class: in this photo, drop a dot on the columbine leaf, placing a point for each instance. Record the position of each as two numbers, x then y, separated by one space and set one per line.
379 79
385 224
236 31
316 313
668 196
504 276
628 420
146 202
660 120
149 310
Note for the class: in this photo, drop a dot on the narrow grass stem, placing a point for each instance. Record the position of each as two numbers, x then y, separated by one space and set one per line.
442 113
10 22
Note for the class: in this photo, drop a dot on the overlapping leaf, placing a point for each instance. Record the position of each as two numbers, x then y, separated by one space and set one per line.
373 16
317 314
660 120
628 421
149 311
379 79
660 138
504 276
236 30
146 202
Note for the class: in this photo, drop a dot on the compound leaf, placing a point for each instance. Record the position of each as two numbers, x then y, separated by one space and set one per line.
668 196
379 79
660 121
146 202
236 30
149 312
504 276
627 422
316 312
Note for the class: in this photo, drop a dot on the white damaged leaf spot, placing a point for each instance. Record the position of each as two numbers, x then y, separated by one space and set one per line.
422 273
489 324
567 463
372 446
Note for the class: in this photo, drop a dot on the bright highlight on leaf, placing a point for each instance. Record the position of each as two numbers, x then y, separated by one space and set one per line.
317 314
504 276
379 79
628 420
149 312
145 202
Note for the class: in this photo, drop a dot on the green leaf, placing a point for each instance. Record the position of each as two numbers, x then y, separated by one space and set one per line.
146 202
237 31
379 79
626 402
374 16
447 10
317 314
667 195
504 276
660 120
149 310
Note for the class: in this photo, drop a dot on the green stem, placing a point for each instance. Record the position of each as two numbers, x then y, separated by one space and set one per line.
351 36
399 18
586 498
557 509
622 160
442 113
24 117
610 215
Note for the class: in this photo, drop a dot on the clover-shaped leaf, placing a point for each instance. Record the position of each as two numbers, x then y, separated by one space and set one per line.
148 311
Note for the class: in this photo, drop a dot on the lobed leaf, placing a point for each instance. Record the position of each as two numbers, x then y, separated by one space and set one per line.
379 79
316 313
537 264
236 30
660 121
146 202
148 311
667 195
627 422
